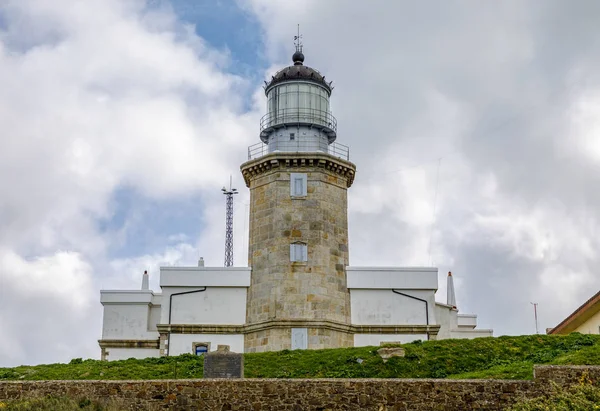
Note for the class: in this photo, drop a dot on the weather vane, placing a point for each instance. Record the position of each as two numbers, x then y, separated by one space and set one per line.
298 40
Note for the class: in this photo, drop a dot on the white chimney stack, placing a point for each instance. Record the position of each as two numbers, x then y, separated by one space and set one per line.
450 296
145 281
201 262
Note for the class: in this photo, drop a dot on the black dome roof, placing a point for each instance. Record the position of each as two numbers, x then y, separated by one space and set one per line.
298 72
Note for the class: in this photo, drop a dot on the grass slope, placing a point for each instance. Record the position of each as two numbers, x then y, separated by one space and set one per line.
502 357
582 397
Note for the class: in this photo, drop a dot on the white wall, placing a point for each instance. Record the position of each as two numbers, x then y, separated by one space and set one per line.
446 317
216 305
204 277
223 302
115 354
469 334
362 340
156 299
467 320
384 307
183 343
406 278
590 326
154 317
127 296
126 322
454 325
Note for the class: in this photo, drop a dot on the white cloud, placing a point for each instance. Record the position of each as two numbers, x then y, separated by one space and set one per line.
585 121
97 96
46 306
126 273
63 275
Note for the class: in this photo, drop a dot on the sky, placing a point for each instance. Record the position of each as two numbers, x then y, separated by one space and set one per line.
474 127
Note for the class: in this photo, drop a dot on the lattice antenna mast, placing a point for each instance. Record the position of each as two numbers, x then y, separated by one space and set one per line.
229 223
298 40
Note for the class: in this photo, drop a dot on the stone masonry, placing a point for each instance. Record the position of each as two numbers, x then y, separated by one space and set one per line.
312 292
305 395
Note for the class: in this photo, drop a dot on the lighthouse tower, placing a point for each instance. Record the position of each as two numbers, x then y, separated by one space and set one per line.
298 178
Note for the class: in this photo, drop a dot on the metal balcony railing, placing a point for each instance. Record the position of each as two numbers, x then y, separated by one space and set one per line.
300 116
303 145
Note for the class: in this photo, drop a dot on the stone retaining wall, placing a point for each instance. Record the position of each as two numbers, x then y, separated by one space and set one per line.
302 394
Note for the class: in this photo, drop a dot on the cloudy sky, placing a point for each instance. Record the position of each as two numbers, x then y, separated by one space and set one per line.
474 126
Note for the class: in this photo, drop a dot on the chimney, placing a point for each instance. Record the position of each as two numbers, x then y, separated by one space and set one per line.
450 296
201 262
145 281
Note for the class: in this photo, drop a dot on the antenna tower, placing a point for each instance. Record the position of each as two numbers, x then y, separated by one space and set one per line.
229 223
536 317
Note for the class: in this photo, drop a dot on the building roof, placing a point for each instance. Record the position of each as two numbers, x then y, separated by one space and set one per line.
298 72
579 316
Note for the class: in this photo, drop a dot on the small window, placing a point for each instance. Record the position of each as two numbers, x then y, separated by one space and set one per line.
298 185
292 136
200 348
298 252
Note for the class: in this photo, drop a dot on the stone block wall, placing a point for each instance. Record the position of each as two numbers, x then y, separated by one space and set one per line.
315 394
566 375
277 339
281 289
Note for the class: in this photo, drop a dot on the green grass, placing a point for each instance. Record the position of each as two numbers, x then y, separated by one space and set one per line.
582 397
502 357
59 404
567 352
585 356
183 366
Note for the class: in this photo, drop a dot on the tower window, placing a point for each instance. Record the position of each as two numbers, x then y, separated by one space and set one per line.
298 184
292 136
298 252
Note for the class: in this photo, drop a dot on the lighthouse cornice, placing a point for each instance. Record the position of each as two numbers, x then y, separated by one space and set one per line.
303 160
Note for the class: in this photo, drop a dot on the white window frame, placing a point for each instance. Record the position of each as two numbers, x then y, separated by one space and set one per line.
298 252
298 183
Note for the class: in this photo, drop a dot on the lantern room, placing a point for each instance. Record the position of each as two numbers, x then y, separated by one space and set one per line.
298 114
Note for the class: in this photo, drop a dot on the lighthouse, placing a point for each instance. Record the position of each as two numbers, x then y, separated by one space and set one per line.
298 176
299 290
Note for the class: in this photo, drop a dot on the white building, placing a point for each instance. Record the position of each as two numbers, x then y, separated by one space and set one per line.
202 307
299 291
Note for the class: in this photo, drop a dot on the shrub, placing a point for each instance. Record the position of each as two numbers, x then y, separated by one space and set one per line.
584 396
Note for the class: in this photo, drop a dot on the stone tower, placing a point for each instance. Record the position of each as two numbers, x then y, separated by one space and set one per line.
298 249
